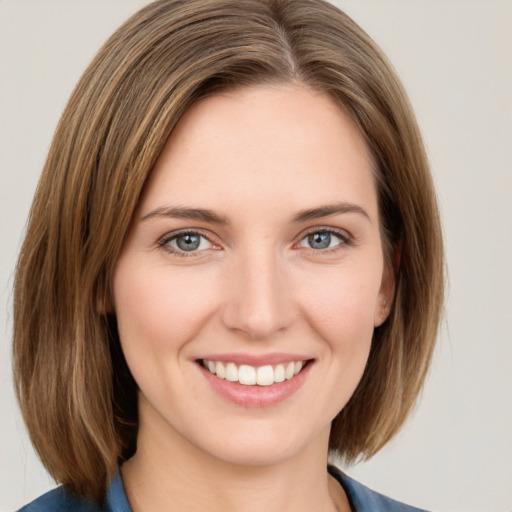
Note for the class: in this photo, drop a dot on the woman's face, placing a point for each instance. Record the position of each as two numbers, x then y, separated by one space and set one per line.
255 249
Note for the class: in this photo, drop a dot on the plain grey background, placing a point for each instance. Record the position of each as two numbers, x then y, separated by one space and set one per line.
455 58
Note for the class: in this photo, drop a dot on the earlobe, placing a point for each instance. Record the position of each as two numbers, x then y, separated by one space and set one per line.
104 305
382 312
387 292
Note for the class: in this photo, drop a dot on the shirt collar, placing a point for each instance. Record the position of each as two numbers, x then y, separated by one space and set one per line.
116 500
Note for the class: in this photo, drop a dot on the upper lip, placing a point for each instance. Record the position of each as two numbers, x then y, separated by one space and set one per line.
256 359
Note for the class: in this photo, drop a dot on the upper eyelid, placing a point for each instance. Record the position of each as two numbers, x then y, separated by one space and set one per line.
174 234
342 233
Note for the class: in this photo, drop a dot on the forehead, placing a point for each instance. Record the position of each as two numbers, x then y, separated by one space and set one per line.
263 143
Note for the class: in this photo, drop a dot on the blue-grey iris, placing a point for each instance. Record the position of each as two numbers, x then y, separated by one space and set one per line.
319 240
188 242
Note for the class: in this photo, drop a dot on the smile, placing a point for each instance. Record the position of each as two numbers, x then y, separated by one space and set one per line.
248 375
250 380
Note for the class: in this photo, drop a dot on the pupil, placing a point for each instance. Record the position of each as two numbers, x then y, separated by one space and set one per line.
319 240
188 242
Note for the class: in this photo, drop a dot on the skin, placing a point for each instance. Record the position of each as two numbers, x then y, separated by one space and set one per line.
256 158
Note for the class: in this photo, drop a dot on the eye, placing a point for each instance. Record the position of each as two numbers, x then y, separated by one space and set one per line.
324 239
185 242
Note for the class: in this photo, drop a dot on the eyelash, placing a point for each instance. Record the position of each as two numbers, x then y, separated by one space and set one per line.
164 242
345 239
343 236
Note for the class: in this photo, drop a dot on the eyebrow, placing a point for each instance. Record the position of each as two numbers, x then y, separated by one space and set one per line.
328 210
186 213
207 215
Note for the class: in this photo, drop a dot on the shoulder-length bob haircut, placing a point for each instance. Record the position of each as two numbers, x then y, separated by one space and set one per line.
77 396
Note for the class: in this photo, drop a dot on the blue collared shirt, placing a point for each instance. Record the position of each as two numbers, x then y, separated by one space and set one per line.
360 497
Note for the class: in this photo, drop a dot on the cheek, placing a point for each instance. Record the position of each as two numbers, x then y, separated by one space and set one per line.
161 308
343 307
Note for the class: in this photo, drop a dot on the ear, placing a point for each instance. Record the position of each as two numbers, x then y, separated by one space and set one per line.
104 304
385 297
387 286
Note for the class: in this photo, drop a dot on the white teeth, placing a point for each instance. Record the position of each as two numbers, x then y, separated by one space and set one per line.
289 371
247 375
231 372
219 370
250 375
279 374
265 375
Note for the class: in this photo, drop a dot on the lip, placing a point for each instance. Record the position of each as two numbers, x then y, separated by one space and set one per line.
256 396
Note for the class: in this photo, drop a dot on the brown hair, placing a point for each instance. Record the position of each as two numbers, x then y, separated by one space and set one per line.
77 396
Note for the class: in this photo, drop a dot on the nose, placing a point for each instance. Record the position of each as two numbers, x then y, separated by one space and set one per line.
260 300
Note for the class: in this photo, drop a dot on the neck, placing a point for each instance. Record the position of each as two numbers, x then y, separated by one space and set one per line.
170 473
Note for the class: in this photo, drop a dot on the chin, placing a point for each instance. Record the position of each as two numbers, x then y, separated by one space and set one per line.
261 444
254 454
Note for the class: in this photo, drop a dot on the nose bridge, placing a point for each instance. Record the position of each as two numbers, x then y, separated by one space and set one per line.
259 303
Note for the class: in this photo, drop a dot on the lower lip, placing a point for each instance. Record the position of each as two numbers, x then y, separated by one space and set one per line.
256 396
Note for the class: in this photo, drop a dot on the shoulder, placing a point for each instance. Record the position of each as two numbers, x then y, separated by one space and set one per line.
362 498
58 500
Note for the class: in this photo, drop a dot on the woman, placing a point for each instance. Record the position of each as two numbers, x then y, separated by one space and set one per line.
233 265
